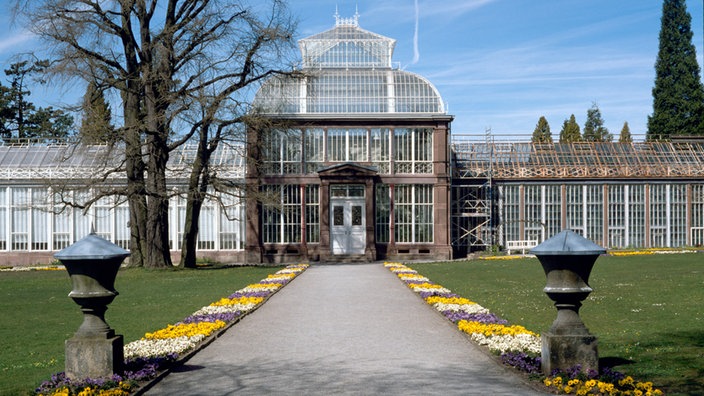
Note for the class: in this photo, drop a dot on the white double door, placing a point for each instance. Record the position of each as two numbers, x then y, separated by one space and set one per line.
347 225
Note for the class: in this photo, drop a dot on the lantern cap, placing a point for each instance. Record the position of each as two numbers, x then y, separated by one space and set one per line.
567 242
92 247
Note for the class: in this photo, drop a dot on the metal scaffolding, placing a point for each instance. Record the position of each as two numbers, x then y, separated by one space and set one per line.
481 166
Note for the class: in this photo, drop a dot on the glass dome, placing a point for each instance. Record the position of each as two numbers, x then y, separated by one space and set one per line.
348 70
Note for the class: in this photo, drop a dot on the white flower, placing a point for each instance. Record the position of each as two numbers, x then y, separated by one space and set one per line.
503 343
160 347
468 308
209 310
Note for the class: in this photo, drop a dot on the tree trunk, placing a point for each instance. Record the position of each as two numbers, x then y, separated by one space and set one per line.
134 166
158 249
189 244
197 190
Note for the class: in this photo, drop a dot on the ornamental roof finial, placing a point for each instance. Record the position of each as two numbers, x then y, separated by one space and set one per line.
354 21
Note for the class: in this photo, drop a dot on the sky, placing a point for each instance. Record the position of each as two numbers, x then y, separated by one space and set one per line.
498 64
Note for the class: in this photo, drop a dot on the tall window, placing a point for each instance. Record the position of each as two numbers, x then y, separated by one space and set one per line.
281 214
313 213
617 216
533 212
347 145
380 149
314 149
3 218
383 211
678 214
281 150
697 214
553 209
636 215
231 222
104 217
658 215
63 223
575 208
595 213
40 219
413 150
511 212
20 218
413 213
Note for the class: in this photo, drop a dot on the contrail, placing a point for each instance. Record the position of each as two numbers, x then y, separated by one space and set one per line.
416 53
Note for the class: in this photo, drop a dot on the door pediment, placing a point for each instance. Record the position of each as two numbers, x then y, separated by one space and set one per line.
347 170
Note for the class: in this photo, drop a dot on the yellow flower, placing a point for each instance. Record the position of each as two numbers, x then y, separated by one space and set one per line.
448 300
186 329
425 285
626 381
237 300
547 382
567 389
490 329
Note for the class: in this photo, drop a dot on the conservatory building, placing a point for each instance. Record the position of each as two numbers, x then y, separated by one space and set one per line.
354 161
359 168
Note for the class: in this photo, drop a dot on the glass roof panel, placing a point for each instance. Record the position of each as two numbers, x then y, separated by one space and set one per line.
352 91
347 46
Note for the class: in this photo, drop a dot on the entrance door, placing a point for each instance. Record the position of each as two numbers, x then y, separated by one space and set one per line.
347 220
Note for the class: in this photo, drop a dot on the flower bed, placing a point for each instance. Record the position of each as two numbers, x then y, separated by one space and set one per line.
517 346
157 351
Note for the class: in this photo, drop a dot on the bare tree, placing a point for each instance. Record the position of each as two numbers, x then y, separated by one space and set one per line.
153 52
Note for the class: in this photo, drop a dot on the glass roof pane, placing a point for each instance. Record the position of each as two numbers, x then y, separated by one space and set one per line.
347 70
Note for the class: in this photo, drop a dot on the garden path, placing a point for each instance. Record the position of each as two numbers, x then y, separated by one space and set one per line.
347 329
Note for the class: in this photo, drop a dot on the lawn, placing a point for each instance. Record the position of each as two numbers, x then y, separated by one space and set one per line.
38 316
647 311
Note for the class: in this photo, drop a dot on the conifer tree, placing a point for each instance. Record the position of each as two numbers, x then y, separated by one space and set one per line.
594 130
96 126
570 131
542 133
625 136
678 95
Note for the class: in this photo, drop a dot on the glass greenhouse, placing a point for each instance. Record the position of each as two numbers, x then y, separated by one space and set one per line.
360 165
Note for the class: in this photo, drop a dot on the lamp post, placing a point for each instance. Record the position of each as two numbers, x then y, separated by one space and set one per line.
567 259
92 263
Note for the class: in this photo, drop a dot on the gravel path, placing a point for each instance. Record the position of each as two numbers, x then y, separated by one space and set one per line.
346 330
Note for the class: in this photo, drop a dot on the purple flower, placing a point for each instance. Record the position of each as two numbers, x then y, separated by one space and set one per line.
225 317
488 318
261 293
439 293
522 361
269 281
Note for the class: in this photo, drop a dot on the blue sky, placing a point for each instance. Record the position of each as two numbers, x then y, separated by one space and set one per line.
498 64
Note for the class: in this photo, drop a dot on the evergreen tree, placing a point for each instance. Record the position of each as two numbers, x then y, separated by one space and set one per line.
678 95
542 134
625 136
570 131
96 124
21 119
594 130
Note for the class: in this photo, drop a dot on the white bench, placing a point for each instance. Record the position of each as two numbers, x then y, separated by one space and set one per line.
520 245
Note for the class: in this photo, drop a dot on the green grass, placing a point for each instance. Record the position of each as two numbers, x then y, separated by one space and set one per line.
38 316
647 311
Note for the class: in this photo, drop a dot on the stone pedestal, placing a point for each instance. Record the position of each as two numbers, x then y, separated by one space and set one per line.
94 357
567 351
567 259
94 351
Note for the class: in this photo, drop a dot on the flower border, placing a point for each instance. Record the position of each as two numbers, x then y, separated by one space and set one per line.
153 356
517 346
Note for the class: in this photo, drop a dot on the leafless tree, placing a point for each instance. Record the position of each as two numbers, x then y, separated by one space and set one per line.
164 57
